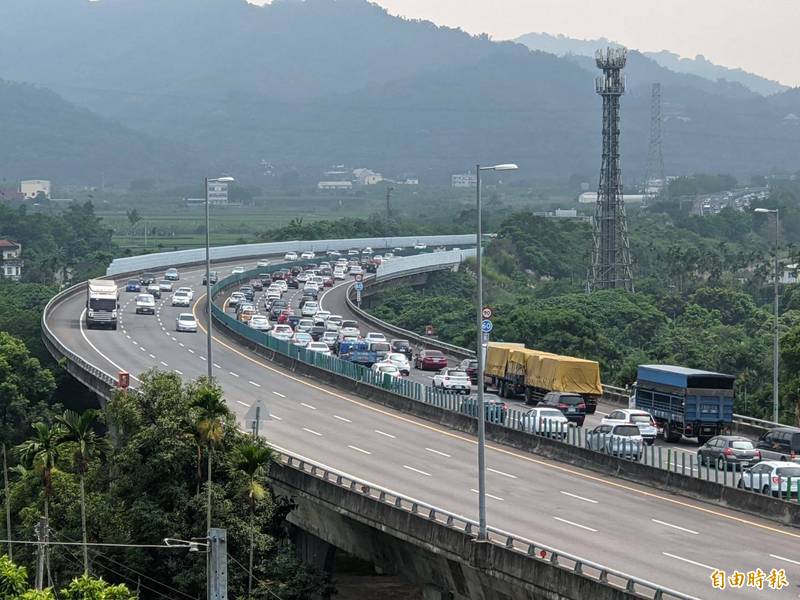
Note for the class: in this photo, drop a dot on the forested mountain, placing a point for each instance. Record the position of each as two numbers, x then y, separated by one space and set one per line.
308 84
44 136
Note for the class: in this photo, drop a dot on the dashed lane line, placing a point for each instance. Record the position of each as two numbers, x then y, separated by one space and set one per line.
308 406
578 497
357 449
575 524
488 495
417 471
279 394
678 527
504 474
311 431
254 383
342 419
389 435
243 403
438 452
691 562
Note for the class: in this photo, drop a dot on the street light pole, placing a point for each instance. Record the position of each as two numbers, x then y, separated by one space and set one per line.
482 533
776 342
208 274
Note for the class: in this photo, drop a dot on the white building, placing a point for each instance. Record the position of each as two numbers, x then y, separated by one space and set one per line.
335 185
218 193
366 177
30 188
463 180
10 260
789 274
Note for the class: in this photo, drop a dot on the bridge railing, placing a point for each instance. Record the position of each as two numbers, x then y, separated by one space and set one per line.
522 545
671 460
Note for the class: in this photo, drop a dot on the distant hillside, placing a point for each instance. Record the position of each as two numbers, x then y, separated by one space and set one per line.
43 136
308 84
561 45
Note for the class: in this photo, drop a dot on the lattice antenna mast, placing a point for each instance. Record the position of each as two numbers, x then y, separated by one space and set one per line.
655 184
611 257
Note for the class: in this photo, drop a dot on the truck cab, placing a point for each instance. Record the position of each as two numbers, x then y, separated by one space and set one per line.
102 304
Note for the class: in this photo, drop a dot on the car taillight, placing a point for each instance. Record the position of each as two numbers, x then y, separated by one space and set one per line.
758 454
582 406
776 480
728 452
562 406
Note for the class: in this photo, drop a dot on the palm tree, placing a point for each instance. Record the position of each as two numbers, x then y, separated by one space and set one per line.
210 425
42 452
251 460
85 445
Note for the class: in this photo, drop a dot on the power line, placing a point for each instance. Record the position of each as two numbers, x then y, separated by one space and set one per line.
51 543
246 570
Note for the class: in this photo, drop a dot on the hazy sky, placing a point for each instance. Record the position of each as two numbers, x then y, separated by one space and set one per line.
756 35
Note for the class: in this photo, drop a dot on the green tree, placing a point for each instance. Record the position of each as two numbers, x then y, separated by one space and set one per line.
212 413
252 459
85 446
88 588
13 579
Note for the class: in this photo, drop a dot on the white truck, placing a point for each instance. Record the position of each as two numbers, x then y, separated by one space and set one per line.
102 304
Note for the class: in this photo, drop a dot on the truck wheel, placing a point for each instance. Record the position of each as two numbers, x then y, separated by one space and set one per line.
672 435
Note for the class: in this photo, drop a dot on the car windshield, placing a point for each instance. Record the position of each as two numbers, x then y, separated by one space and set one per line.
186 318
572 400
788 472
551 412
641 419
379 346
400 344
458 374
742 445
397 358
133 282
627 430
106 304
434 354
144 298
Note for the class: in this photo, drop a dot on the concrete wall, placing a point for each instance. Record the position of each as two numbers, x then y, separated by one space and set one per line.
447 561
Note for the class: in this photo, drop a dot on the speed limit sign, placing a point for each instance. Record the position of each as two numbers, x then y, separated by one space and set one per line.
486 312
359 277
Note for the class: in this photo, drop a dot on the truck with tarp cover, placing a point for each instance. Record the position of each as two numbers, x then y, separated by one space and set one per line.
102 304
514 370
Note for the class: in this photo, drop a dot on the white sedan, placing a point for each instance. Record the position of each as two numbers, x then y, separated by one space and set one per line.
282 332
452 380
188 290
319 348
262 263
307 255
386 369
771 477
375 336
290 256
181 299
259 322
545 421
237 270
400 361
186 322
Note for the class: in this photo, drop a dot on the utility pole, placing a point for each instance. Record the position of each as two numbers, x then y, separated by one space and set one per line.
218 569
8 503
41 535
388 198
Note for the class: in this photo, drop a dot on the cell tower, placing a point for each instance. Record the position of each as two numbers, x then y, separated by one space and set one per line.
611 255
655 184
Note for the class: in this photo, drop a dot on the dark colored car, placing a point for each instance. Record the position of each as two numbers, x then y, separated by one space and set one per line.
327 281
317 331
147 278
572 406
214 278
403 347
430 360
296 270
265 278
291 282
133 285
780 443
292 320
494 409
249 292
276 275
256 284
310 266
729 451
470 365
276 308
154 290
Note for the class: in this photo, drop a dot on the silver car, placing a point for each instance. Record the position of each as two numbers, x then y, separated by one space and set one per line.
186 322
771 477
624 441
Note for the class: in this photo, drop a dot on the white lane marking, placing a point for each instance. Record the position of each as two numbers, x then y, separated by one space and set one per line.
254 383
201 357
489 495
142 348
243 403
389 435
357 449
134 342
163 328
575 524
509 475
181 344
178 372
95 348
165 364
232 373
311 431
172 337
578 497
276 417
151 355
190 350
789 560
691 562
127 336
665 524
417 471
601 413
279 394
308 406
437 452
216 366
342 419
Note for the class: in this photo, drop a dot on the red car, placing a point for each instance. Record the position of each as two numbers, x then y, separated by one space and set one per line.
256 284
430 360
327 281
284 316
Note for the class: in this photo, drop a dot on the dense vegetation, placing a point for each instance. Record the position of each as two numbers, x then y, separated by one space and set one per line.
703 298
147 482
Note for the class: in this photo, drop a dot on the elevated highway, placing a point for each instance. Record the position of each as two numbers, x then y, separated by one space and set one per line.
666 539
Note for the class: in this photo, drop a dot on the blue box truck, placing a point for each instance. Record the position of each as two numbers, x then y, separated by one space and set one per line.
685 402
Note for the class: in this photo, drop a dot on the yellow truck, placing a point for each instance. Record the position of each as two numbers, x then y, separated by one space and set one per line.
514 370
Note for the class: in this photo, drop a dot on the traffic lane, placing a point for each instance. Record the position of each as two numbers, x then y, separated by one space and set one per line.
305 420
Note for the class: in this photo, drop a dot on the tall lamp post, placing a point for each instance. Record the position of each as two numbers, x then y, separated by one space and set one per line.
208 272
776 341
482 535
